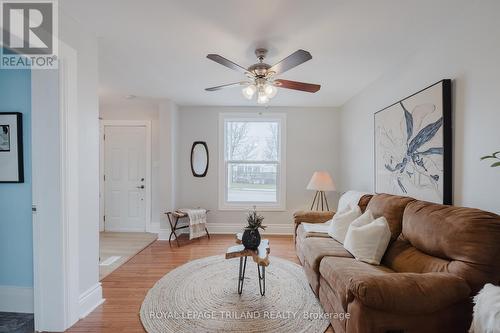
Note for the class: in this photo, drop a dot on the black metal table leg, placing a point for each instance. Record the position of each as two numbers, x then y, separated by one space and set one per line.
262 279
241 275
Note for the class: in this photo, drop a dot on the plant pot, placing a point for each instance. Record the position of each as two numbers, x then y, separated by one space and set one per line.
251 239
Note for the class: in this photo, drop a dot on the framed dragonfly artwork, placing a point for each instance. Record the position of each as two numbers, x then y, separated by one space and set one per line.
413 146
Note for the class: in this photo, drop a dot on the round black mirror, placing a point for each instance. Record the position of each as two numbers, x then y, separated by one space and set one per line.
199 159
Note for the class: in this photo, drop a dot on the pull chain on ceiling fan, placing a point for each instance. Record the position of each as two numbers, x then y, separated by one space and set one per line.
261 81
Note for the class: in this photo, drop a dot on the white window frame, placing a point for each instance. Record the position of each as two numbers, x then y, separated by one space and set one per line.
280 204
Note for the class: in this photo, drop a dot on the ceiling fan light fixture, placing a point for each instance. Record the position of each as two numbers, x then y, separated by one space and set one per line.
270 90
249 91
262 99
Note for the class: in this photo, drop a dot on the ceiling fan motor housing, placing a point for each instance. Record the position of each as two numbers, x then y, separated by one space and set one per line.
261 53
259 70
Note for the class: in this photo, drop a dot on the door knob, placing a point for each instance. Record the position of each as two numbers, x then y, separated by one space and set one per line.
141 187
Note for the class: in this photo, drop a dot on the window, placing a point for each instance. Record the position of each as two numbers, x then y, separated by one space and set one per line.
251 170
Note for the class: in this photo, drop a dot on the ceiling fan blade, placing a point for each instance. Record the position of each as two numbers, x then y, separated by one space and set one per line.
295 85
228 63
230 85
293 60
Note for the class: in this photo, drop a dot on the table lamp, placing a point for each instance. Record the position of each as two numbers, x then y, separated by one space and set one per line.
321 182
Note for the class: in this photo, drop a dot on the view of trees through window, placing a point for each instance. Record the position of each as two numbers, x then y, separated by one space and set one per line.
252 160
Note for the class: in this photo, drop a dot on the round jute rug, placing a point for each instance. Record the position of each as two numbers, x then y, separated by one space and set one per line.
202 296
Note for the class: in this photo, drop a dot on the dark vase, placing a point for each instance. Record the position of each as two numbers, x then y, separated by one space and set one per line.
251 239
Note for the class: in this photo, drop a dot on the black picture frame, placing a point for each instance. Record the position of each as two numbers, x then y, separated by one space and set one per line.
446 85
19 144
205 146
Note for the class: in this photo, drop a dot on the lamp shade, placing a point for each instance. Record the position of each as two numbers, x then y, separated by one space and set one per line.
321 181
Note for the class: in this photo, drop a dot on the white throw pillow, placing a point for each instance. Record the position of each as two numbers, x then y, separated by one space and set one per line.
348 199
341 221
367 239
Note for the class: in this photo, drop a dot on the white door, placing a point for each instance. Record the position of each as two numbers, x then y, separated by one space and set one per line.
125 178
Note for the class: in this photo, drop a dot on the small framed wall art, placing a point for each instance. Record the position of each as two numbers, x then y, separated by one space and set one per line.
11 147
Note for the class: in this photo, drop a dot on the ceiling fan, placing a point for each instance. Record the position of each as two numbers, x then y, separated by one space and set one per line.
261 77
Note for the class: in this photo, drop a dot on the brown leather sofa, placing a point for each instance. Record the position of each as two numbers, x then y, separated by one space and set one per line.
438 259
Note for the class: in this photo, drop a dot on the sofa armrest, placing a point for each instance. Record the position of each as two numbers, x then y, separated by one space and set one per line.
312 216
409 293
309 216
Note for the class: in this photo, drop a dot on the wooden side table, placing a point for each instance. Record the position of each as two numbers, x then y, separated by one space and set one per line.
259 256
173 220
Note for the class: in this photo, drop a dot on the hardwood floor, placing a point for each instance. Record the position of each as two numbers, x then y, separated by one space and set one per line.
125 288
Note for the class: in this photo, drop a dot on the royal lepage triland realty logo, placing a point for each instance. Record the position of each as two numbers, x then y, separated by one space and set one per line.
29 36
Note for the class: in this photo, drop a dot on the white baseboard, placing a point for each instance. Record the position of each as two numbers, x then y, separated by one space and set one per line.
272 229
163 235
90 300
154 227
16 299
125 230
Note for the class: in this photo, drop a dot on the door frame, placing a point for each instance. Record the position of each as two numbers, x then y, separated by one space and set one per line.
55 218
102 202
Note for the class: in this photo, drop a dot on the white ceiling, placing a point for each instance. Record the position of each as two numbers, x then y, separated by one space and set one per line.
157 48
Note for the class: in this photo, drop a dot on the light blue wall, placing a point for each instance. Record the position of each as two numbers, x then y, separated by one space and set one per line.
16 241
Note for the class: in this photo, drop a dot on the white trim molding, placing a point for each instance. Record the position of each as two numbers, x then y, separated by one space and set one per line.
272 229
56 220
132 123
164 233
154 228
16 299
90 300
280 118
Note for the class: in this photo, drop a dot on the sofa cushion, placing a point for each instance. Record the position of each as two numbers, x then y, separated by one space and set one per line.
338 272
401 256
409 293
392 208
467 238
363 202
316 248
299 240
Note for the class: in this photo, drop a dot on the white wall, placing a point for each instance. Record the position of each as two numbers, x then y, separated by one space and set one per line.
467 51
312 144
138 109
169 123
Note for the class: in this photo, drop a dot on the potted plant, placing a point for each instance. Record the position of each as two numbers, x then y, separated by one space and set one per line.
495 156
251 235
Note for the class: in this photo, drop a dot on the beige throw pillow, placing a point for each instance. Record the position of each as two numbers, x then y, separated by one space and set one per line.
367 239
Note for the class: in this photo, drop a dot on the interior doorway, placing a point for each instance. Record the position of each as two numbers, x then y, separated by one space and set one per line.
125 192
126 176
